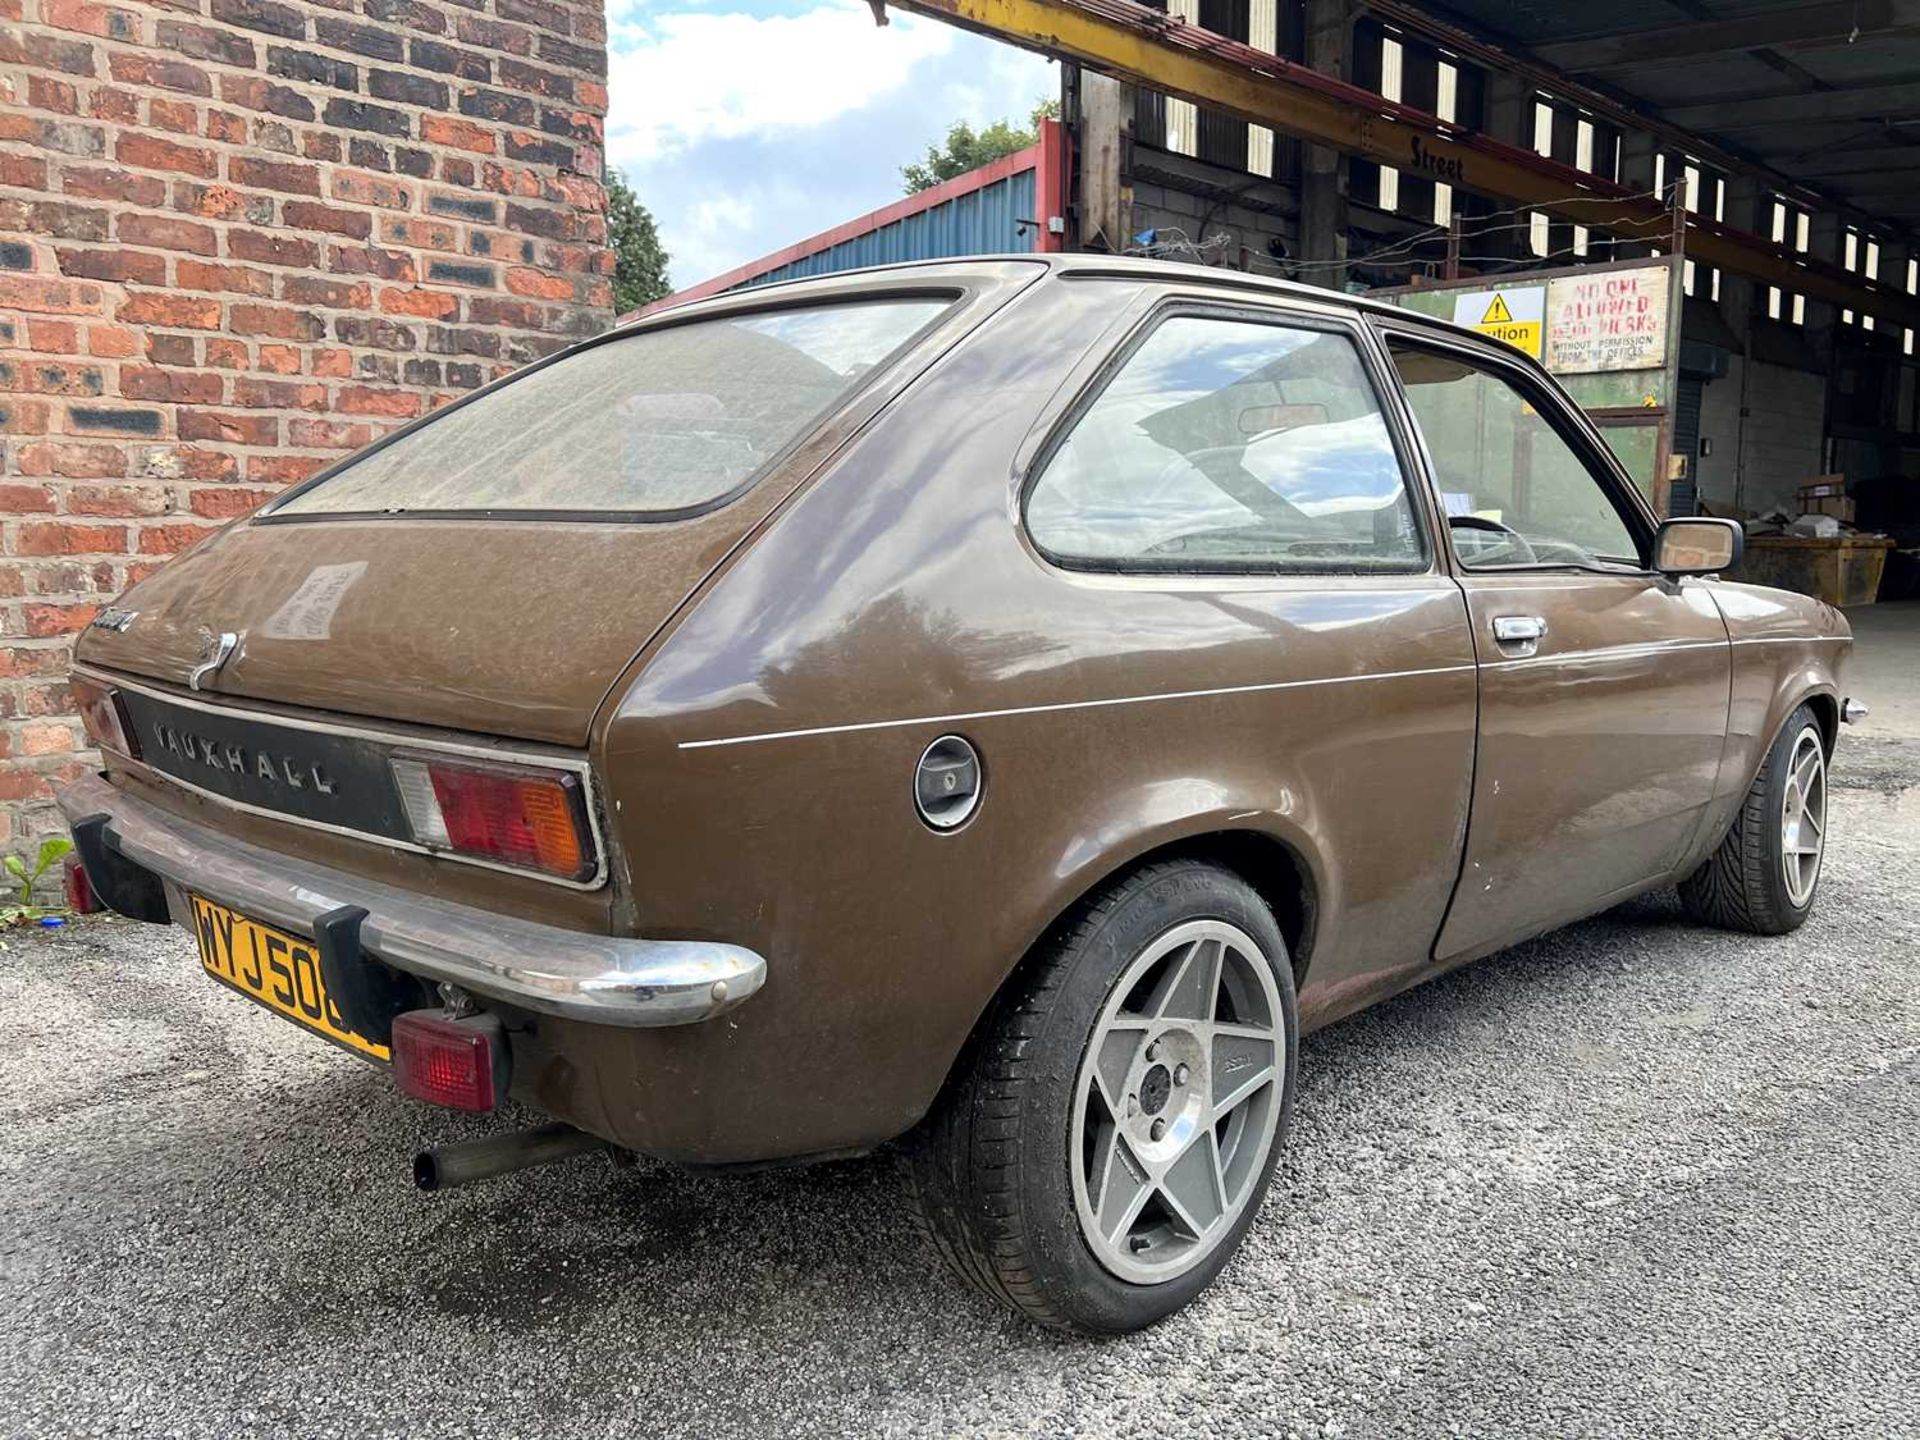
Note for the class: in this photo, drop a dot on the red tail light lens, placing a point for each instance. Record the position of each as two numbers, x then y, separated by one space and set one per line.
461 1064
513 815
104 716
80 897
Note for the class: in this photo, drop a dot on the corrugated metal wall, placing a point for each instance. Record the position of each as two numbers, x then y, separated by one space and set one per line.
982 222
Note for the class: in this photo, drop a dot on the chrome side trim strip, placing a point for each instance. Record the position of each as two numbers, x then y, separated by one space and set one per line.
1067 705
600 979
508 752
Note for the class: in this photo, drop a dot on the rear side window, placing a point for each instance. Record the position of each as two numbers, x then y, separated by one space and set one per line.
1229 444
659 423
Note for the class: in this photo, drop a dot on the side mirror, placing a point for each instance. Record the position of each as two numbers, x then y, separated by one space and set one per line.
1698 546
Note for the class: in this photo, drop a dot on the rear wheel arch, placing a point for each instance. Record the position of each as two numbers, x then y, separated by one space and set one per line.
1276 870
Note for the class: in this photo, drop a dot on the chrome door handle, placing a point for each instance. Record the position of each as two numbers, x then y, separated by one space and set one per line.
1519 629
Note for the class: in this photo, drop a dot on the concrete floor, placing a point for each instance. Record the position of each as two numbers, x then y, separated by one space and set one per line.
1636 1178
1885 669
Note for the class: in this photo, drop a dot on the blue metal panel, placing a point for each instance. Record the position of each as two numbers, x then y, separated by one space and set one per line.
986 221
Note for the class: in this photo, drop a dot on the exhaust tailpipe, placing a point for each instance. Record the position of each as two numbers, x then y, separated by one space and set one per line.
471 1160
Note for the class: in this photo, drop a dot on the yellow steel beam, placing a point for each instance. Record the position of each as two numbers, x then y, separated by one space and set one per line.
1146 47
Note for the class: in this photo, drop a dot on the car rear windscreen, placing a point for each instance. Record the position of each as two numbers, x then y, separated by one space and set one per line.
663 422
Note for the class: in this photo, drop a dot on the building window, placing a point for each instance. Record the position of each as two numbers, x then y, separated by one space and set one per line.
1446 106
1392 79
1791 227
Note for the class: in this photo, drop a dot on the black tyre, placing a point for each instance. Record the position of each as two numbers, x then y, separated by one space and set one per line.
1764 876
1106 1141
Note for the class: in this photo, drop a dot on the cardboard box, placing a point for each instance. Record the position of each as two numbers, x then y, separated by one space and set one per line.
1822 487
1838 506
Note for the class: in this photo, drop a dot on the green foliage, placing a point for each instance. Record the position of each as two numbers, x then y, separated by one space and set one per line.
640 265
52 850
967 149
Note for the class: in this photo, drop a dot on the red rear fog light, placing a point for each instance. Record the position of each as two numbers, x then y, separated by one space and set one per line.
80 897
461 1064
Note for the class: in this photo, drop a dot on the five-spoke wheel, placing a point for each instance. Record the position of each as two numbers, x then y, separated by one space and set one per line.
1176 1101
1104 1145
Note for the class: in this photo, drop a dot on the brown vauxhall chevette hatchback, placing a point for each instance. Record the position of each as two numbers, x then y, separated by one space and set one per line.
1000 704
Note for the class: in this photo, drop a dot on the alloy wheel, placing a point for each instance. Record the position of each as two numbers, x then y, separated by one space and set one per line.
1177 1101
1803 816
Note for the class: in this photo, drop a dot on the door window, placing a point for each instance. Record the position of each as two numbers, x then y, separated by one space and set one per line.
1230 444
1515 491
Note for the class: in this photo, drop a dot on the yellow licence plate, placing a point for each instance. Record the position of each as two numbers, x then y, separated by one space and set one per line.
279 970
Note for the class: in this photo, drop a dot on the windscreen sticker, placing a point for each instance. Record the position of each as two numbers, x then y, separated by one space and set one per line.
308 612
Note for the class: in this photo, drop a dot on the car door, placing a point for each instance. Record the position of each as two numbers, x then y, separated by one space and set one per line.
1603 686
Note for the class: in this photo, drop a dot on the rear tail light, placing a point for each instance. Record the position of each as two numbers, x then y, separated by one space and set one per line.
105 717
461 1064
80 897
516 815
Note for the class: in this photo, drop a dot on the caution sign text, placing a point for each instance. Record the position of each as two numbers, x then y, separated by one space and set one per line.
1514 314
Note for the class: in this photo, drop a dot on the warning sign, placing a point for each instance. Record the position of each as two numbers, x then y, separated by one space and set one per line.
1609 320
1515 314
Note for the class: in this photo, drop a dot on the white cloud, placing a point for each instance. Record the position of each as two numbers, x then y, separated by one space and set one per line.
676 79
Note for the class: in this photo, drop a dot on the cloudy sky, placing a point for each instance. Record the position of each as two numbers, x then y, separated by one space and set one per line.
745 125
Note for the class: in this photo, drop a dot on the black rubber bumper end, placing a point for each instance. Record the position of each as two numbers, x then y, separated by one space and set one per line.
121 885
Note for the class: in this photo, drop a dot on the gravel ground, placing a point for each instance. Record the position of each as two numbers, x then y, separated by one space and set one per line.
1633 1178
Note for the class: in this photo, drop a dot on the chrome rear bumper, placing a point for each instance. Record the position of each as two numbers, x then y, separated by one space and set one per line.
602 979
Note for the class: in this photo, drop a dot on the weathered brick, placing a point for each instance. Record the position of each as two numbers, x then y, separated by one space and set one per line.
65 538
152 382
460 134
493 35
58 218
28 172
448 60
53 337
45 52
165 233
119 501
232 279
280 321
320 290
166 349
328 434
407 89
171 539
203 42
179 312
288 177
263 15
358 115
42 620
179 116
284 469
364 400
115 420
498 106
132 68
224 502
459 272
410 13
359 188
137 267
368 40
101 183
537 151
149 152
433 304
18 499
229 428
266 249
328 70
306 215
552 84
48 297
408 161
109 22
279 395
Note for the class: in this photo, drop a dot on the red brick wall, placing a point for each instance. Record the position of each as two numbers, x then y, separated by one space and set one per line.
240 237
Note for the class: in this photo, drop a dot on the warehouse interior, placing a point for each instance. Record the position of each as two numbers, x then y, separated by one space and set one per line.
1765 152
